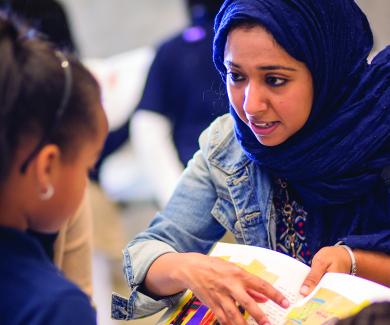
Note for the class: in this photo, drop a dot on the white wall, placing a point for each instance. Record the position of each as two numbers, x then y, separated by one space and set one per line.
106 27
378 13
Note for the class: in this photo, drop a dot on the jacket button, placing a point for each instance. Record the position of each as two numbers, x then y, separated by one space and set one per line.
237 226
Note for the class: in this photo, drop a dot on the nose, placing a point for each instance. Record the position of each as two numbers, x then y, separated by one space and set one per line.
255 100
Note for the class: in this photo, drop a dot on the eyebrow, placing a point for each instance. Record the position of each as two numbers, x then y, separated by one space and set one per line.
265 67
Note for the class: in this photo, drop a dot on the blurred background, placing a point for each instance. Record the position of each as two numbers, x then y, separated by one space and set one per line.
103 28
117 40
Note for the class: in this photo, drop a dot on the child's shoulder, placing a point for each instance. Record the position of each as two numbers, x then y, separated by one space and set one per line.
34 287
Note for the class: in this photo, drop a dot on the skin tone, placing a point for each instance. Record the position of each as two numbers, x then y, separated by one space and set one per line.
68 177
272 93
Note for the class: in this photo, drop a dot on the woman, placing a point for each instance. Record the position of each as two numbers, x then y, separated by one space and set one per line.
296 167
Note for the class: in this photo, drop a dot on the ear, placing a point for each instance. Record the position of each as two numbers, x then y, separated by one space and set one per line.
47 165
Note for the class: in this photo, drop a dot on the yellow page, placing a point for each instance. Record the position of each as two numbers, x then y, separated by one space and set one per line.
337 296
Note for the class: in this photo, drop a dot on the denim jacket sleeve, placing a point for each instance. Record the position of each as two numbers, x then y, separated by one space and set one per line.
186 224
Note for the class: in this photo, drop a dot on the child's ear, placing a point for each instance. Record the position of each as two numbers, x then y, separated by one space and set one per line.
47 164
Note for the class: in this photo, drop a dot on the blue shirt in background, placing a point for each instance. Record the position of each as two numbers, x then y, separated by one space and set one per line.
184 86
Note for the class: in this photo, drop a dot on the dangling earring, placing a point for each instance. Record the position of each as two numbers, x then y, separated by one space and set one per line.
48 193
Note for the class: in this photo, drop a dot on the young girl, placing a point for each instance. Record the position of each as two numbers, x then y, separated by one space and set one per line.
52 130
295 167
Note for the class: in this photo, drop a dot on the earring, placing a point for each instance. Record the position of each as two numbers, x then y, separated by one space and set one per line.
48 193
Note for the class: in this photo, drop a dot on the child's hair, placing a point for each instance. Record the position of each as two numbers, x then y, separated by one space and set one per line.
35 84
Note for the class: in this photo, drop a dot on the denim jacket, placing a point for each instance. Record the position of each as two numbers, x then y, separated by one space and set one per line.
220 190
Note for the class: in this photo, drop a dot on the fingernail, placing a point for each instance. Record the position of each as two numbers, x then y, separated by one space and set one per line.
304 290
285 303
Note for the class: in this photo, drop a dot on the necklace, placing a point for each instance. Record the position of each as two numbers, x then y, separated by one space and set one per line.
291 218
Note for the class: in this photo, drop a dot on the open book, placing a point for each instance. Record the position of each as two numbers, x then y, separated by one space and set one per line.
336 296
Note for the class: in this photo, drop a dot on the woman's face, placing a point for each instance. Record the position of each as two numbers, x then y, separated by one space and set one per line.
270 91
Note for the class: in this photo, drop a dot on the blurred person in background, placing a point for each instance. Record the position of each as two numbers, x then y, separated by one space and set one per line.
182 95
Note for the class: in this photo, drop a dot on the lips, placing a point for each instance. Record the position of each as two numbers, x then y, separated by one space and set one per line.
264 125
263 128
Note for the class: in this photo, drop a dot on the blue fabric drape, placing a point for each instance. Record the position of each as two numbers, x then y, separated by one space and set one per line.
338 156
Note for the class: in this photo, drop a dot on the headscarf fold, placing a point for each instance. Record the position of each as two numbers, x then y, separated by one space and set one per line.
340 152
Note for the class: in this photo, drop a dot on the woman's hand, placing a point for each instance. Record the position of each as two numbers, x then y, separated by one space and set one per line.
222 286
328 259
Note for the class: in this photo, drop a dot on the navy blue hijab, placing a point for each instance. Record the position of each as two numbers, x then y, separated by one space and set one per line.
338 156
335 161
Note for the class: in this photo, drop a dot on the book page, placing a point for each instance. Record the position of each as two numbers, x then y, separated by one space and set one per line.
337 296
283 272
353 287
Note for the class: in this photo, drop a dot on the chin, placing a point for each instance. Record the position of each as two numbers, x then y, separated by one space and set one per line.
48 228
269 141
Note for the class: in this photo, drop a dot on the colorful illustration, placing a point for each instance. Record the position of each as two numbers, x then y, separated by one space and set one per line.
325 308
192 312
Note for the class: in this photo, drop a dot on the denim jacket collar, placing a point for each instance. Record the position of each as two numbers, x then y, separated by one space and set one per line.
227 155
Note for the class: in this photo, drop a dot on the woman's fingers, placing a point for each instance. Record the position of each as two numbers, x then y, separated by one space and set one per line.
224 303
228 310
259 297
319 267
250 305
327 259
231 313
263 287
225 309
222 286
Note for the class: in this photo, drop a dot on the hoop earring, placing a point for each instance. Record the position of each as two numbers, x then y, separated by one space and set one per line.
47 194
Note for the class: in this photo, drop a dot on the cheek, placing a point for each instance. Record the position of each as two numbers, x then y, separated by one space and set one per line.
306 97
236 98
74 190
79 192
294 112
74 199
305 104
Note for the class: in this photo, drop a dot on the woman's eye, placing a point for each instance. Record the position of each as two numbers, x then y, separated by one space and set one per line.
275 81
235 77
